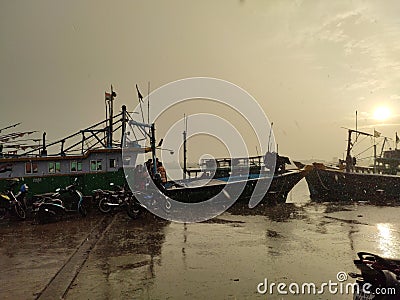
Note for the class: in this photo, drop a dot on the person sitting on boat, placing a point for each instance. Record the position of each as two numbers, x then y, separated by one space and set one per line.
149 166
162 172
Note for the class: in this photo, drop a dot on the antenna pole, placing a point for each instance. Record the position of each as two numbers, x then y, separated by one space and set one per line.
153 147
148 102
111 119
356 127
348 156
184 146
269 137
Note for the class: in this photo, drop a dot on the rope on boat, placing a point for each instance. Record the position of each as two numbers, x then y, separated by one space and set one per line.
320 180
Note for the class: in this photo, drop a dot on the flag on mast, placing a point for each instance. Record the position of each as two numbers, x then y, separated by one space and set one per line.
139 94
397 139
108 96
376 134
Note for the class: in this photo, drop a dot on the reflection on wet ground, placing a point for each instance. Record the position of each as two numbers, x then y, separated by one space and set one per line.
223 258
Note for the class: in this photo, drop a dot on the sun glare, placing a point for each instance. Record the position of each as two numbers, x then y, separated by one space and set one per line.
381 113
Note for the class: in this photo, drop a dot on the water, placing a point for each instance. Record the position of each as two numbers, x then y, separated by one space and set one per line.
223 258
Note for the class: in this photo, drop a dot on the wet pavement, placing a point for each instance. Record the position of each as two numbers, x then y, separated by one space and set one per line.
114 257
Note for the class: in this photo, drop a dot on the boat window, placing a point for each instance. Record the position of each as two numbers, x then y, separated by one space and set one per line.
76 166
31 167
28 168
58 167
35 167
112 163
51 167
126 161
95 165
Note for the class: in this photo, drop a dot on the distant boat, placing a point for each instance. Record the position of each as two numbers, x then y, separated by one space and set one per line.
350 182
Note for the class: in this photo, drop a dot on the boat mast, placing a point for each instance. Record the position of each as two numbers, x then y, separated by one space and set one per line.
269 137
184 147
348 156
349 159
123 125
153 147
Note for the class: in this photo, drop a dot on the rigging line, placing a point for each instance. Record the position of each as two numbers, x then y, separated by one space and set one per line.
364 158
364 151
134 134
359 141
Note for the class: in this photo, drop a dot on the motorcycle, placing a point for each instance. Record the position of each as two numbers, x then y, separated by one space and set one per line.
122 198
54 206
14 204
379 278
109 200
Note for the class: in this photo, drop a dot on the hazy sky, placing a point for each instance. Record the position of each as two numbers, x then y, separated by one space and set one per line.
310 64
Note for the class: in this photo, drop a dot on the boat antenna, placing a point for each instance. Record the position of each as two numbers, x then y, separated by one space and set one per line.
356 128
111 113
140 101
184 146
269 137
148 102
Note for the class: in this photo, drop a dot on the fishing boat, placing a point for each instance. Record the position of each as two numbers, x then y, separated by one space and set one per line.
91 157
348 181
238 177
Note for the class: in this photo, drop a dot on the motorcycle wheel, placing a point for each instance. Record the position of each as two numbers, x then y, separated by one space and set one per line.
134 210
19 211
104 208
82 209
45 215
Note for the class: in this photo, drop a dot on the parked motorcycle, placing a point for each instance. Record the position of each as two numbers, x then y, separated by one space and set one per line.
121 198
54 206
379 278
109 200
13 204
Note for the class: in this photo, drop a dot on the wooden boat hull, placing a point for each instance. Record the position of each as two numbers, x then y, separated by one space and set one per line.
280 186
337 185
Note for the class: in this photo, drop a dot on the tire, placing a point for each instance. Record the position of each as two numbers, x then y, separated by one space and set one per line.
82 209
44 215
19 211
104 208
134 210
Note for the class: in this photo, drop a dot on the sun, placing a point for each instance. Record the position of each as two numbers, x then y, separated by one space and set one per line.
382 113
